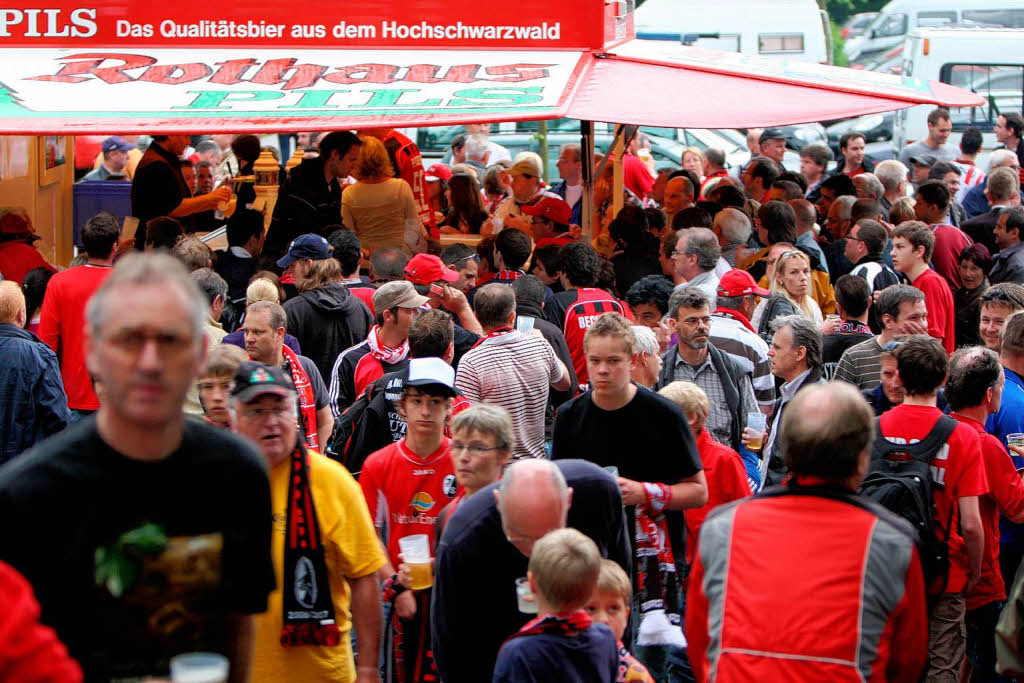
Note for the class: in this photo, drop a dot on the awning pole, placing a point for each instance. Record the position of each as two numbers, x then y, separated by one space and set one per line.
587 149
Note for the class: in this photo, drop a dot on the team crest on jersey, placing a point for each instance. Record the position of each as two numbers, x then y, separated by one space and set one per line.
422 502
449 486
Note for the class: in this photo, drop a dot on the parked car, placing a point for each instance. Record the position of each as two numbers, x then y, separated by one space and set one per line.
875 127
856 24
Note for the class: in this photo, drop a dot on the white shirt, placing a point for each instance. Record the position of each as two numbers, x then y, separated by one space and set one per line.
573 193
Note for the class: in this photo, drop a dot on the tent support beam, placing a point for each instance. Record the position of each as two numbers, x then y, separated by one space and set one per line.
587 151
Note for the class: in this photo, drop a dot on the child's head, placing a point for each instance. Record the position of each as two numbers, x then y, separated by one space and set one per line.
564 567
610 601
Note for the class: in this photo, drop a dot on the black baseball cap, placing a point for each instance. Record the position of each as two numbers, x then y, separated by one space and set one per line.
253 380
772 134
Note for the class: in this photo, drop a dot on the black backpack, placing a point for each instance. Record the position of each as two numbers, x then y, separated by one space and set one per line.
900 479
340 441
777 306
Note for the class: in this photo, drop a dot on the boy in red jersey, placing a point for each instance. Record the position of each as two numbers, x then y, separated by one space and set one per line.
406 485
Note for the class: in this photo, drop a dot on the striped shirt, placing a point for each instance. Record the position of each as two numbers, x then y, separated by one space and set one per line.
862 365
747 349
514 371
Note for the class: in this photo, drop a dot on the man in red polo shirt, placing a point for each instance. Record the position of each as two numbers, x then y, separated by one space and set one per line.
932 208
974 389
62 317
912 246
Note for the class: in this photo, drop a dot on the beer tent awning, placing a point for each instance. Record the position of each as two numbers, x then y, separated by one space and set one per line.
135 66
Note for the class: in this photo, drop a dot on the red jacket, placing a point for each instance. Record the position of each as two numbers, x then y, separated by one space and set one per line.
29 651
789 587
727 481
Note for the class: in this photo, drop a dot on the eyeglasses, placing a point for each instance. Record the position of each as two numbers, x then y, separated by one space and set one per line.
264 413
470 257
473 448
167 343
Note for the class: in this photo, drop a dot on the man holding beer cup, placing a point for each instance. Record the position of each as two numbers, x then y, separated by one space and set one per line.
322 564
406 485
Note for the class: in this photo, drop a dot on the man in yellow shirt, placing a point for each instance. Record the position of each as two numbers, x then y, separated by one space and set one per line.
325 549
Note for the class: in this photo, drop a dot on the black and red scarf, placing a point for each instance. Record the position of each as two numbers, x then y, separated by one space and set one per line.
496 332
506 275
306 605
559 624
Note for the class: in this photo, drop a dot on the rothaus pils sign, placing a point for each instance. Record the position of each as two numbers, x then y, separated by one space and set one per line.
533 24
281 84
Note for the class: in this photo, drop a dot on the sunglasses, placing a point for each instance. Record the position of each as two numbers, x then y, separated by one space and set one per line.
473 257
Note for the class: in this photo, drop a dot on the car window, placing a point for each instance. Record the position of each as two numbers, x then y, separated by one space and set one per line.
1001 85
889 25
935 18
1010 18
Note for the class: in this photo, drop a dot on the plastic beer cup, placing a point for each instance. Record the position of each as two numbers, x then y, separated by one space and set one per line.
416 555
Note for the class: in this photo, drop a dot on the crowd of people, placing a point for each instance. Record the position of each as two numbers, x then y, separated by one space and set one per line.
759 424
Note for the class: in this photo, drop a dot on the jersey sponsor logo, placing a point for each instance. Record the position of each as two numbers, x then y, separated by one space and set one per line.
586 321
423 473
449 486
422 501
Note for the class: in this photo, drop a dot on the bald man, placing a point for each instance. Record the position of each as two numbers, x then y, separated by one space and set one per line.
486 546
32 401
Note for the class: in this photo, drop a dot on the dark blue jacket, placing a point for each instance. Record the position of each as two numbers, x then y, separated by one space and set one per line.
590 656
33 404
559 188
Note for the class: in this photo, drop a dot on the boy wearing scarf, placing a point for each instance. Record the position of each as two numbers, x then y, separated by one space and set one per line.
325 552
563 643
406 485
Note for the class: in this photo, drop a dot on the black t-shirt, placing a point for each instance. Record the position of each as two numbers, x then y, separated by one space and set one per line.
157 189
648 439
474 607
73 494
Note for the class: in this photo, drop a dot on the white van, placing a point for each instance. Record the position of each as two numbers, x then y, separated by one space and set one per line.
782 29
899 17
987 61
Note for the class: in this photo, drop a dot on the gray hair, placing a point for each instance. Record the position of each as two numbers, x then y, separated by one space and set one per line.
805 333
212 284
135 270
845 204
734 224
1000 158
891 173
575 147
704 244
489 419
1003 183
688 297
278 318
646 340
874 185
493 304
476 147
512 472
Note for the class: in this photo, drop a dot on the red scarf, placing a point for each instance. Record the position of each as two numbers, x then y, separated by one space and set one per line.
386 354
561 624
735 315
497 332
508 275
307 400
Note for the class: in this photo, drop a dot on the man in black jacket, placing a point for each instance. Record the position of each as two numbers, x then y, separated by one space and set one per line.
485 547
694 359
310 198
325 317
33 405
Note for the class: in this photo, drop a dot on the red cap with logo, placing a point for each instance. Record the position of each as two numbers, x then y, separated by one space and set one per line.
437 172
739 283
554 209
425 269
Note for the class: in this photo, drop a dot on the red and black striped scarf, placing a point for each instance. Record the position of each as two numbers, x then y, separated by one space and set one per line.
306 605
560 624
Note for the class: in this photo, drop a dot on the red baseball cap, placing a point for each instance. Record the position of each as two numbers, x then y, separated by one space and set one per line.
739 283
16 222
425 269
438 172
554 209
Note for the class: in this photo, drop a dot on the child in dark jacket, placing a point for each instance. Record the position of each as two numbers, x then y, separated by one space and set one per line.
562 644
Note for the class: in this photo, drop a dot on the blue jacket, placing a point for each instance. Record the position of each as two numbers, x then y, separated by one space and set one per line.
590 656
33 404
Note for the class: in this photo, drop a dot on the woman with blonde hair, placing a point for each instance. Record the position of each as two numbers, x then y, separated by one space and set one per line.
790 287
380 208
693 161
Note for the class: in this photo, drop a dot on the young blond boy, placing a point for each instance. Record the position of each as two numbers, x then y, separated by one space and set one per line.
609 605
563 644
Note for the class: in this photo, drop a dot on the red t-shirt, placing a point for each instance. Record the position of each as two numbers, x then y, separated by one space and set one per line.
949 242
1006 495
635 176
62 327
405 493
957 468
727 480
938 298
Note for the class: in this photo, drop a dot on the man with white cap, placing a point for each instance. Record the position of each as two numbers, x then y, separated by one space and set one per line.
526 174
406 485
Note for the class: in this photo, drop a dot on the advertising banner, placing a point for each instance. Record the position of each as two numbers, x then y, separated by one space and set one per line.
135 89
